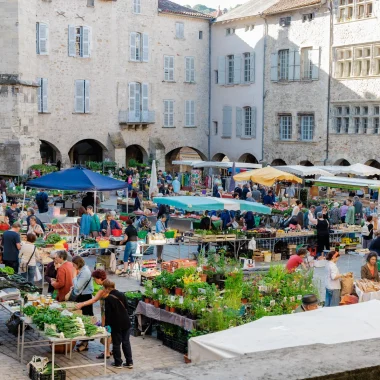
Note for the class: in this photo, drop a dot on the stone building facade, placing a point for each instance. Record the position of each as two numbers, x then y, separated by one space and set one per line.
95 79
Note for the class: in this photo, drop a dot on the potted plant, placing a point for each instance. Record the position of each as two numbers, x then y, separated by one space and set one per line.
148 292
246 292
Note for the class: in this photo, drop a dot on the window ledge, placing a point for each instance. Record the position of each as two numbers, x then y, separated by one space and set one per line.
190 82
226 137
169 81
82 113
168 127
295 141
246 83
190 126
180 38
44 113
246 138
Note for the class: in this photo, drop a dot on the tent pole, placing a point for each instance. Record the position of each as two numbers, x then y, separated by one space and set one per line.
95 202
127 198
23 202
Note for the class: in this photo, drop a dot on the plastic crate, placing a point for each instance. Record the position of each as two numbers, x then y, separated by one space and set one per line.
167 342
59 374
180 347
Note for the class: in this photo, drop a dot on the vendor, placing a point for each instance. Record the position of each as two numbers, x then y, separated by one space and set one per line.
375 243
309 303
34 227
107 225
64 280
160 228
88 200
226 219
323 234
369 270
296 260
268 199
205 225
30 213
138 202
249 220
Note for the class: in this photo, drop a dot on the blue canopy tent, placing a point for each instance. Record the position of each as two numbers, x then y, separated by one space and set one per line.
77 179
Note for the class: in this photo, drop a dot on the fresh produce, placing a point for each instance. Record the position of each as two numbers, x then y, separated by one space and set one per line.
53 239
7 270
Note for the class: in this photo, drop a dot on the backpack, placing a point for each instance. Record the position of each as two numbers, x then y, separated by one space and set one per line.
365 230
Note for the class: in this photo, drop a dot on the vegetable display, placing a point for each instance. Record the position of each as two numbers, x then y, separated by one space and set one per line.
53 239
7 270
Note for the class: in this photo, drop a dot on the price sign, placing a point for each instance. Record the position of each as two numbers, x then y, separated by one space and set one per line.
180 300
154 290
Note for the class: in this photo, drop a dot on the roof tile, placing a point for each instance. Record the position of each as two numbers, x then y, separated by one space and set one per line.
288 5
167 6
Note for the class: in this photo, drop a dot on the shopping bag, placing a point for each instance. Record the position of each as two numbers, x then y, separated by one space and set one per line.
37 276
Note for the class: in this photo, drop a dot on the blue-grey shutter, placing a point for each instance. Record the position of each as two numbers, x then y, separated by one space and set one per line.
86 35
253 122
132 46
222 70
44 82
39 94
145 101
297 65
227 121
145 44
43 33
291 65
87 95
315 64
132 102
72 40
252 68
239 121
79 96
237 69
274 67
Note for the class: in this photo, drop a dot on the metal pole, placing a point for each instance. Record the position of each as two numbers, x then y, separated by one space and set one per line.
95 202
23 202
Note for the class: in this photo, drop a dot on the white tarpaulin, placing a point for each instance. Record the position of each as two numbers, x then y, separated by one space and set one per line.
323 326
217 164
356 169
303 171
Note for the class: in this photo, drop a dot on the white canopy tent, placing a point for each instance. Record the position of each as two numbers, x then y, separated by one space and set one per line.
303 171
217 164
331 325
360 170
346 182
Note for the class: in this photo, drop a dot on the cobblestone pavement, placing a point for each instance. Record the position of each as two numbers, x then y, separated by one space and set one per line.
148 353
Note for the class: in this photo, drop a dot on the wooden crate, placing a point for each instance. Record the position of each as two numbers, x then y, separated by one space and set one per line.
276 256
258 259
183 263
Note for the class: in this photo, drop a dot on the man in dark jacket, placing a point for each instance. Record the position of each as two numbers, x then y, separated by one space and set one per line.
42 200
116 316
238 190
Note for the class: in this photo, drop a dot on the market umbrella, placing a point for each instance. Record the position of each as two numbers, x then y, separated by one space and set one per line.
153 180
193 203
232 183
356 169
267 176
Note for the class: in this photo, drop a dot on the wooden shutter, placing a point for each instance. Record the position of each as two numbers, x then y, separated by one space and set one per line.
187 113
315 64
171 113
239 122
253 122
252 68
192 113
39 94
85 42
274 67
291 65
137 101
44 83
145 44
221 70
79 96
237 69
145 101
227 121
72 38
166 113
132 101
187 69
87 96
297 65
132 46
171 68
192 69
43 32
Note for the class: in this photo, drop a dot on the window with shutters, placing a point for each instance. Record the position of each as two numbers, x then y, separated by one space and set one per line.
139 103
169 68
307 63
180 30
283 64
376 125
42 95
42 36
82 96
139 47
189 69
189 113
136 6
169 113
230 68
249 67
307 127
247 121
79 41
350 10
285 127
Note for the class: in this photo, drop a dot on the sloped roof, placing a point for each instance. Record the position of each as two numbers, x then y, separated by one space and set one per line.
166 6
288 5
248 9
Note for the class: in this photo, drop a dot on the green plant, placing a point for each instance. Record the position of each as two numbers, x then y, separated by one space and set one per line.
148 291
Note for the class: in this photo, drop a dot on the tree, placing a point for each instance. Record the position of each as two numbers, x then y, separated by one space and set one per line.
203 8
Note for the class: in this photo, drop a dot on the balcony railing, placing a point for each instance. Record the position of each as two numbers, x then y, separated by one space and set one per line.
133 117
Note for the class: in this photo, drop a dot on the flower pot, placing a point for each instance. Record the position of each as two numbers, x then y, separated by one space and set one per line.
156 303
162 306
216 278
147 300
187 360
203 277
244 301
172 310
167 308
166 291
178 291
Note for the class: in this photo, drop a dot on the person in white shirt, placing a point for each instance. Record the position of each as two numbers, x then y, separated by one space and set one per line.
311 218
28 256
297 208
332 280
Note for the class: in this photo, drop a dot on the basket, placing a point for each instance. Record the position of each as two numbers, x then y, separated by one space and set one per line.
59 374
142 234
104 243
116 233
170 234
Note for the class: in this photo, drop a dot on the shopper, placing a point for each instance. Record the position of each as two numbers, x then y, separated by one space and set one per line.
94 223
296 260
34 227
367 232
244 192
28 256
42 200
319 208
176 186
350 215
108 224
358 210
160 228
238 190
249 220
325 212
64 280
12 246
309 303
268 199
12 213
332 280
375 243
30 213
297 208
88 200
226 219
343 211
249 197
3 189
323 237
138 202
130 237
116 316
369 270
335 214
85 224
309 219
256 195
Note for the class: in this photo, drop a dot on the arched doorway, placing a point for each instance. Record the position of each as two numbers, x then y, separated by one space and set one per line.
49 152
221 157
136 153
373 163
86 150
278 162
248 158
182 154
342 162
306 163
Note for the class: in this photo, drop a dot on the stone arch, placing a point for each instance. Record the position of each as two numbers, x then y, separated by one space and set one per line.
248 158
87 150
135 152
342 162
306 163
185 153
278 162
220 157
49 152
373 163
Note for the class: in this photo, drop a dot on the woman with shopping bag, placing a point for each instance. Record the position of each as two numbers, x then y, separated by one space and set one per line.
28 256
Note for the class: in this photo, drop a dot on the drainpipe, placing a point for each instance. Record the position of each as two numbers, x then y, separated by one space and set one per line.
264 94
209 92
330 7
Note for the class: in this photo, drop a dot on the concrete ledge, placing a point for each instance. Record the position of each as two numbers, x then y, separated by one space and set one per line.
347 361
13 80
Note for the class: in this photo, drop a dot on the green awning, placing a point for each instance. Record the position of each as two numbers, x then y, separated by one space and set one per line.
337 185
